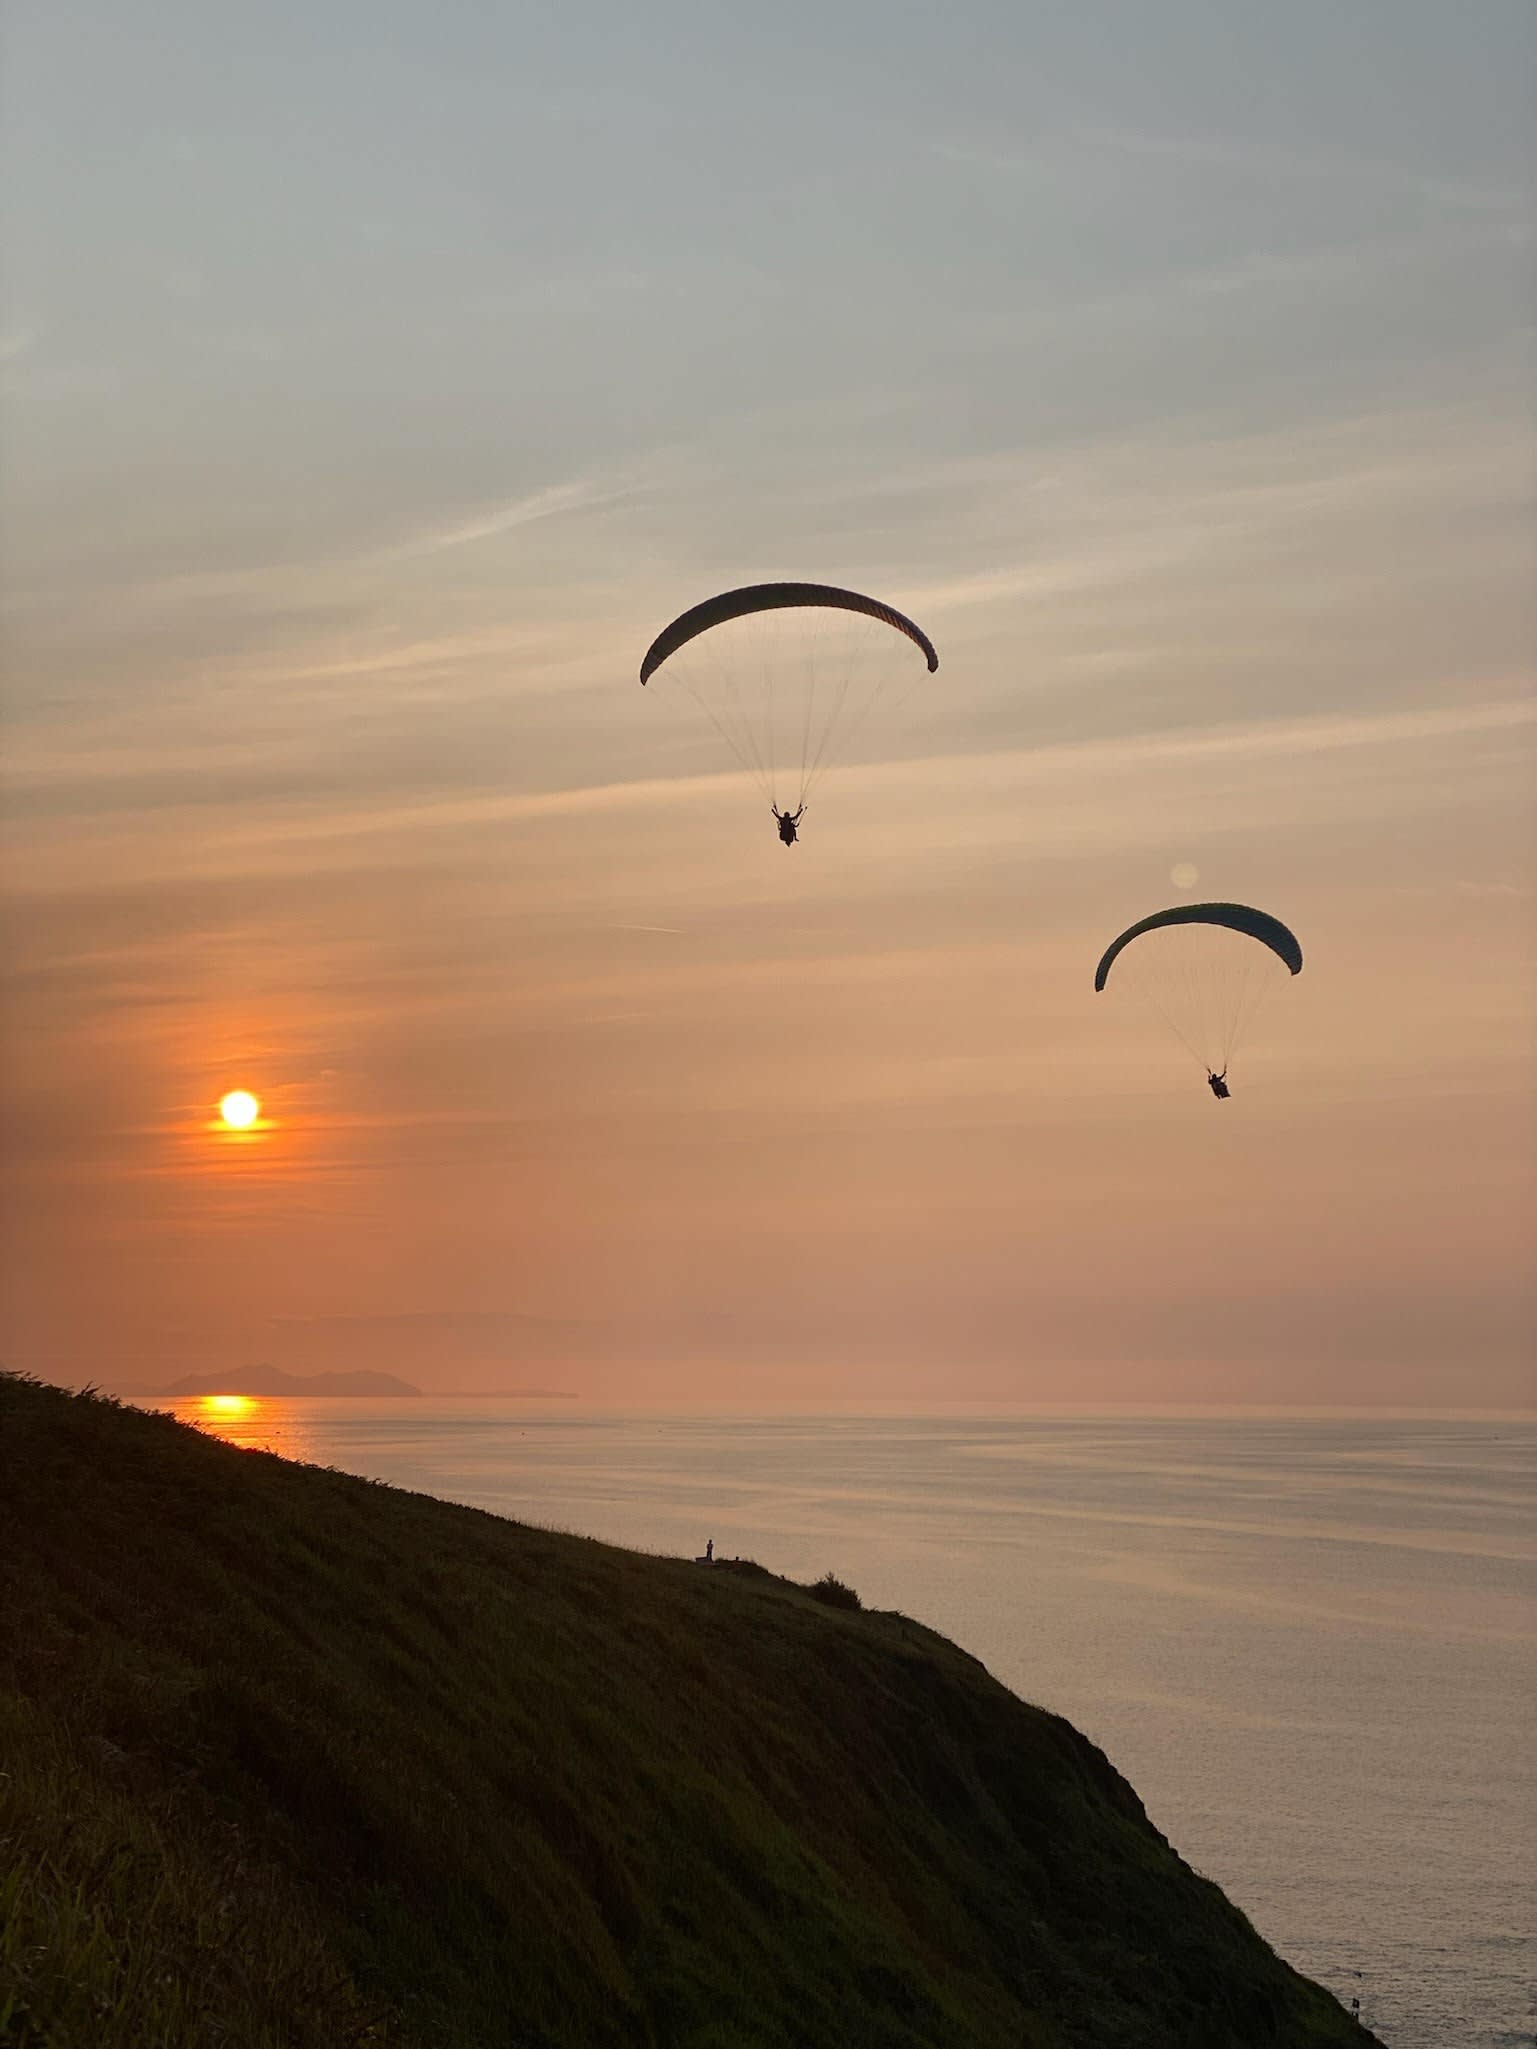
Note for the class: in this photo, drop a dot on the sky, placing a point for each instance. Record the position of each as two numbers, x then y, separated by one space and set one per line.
379 380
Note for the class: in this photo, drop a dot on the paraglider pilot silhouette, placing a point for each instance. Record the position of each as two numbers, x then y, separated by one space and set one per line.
1217 1083
787 822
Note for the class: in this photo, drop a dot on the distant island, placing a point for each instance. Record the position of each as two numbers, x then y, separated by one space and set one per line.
273 1380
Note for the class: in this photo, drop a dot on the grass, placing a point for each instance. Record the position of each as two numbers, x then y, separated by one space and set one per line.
291 1758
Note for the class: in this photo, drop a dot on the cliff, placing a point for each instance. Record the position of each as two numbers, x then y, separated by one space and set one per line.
297 1759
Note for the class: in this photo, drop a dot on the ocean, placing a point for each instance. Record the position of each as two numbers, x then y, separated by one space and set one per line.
1307 1640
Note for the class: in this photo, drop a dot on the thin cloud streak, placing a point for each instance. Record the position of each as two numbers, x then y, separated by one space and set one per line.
555 502
965 802
1318 166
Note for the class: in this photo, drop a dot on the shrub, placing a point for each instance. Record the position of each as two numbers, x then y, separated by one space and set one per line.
833 1593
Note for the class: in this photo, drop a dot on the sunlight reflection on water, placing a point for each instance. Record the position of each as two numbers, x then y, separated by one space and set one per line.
292 1429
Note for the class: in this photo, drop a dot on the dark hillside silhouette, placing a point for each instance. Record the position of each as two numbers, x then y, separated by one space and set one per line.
295 1757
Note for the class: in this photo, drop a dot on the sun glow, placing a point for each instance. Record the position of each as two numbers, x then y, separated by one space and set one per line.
225 1406
239 1109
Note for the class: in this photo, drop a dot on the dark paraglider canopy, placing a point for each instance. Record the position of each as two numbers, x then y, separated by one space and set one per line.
773 597
1234 917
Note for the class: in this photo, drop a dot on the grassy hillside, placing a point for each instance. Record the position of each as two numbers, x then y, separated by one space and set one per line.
290 1758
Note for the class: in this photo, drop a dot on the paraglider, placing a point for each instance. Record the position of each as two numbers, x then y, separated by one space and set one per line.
1205 969
788 673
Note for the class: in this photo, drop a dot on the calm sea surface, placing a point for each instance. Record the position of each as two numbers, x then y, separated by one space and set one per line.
1306 1640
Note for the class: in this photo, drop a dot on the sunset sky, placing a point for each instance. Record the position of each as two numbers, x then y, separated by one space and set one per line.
380 379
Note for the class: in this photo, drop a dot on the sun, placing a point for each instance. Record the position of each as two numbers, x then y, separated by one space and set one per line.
240 1109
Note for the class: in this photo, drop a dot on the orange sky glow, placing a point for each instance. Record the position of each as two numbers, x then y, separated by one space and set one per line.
328 776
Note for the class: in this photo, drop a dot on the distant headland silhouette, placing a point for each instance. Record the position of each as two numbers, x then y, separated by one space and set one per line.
273 1380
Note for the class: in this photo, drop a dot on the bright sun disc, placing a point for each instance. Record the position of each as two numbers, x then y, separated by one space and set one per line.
240 1109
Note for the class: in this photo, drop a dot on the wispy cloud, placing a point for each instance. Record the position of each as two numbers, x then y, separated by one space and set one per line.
328 832
554 502
1317 165
18 342
339 581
